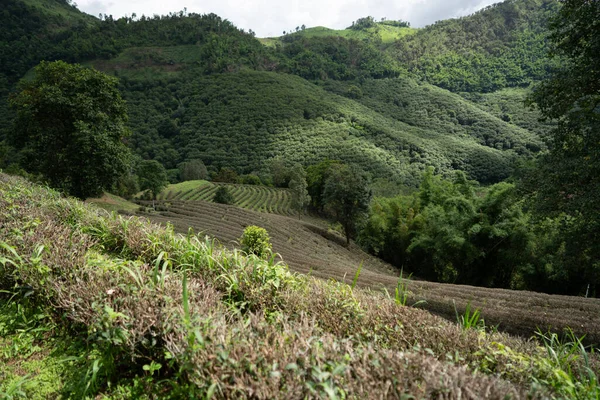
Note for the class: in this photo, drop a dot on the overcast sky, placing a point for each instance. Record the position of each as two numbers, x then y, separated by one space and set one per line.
272 17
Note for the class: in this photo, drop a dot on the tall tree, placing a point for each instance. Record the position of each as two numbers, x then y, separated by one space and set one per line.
192 170
346 196
298 185
70 126
152 176
569 176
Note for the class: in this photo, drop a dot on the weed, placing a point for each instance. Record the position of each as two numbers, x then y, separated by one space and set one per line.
471 319
356 275
572 372
15 389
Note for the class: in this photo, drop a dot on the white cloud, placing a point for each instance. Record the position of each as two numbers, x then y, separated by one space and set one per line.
272 17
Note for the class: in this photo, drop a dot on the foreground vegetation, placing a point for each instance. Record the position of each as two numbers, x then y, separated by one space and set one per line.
153 314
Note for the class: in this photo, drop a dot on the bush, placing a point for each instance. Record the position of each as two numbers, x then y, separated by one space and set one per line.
250 179
223 195
255 240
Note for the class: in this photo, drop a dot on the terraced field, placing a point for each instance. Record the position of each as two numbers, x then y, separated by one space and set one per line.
251 197
308 247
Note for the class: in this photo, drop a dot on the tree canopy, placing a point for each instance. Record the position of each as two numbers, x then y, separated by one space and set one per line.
346 196
152 176
568 178
70 126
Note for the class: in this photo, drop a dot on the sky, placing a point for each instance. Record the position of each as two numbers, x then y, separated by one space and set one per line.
272 17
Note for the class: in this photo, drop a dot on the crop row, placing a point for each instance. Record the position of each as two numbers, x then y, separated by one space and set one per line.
309 248
257 198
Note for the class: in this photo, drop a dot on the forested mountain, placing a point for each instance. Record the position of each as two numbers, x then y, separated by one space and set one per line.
199 88
503 45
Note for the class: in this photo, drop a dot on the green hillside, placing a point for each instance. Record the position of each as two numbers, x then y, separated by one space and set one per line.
245 119
381 32
503 45
197 87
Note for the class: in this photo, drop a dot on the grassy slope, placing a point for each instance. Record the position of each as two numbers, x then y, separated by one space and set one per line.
58 9
386 33
110 202
117 282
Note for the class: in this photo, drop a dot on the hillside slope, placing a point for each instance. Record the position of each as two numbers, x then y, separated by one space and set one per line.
199 88
118 308
245 119
503 45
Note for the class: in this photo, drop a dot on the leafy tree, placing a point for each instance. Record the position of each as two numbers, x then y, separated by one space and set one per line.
346 196
70 126
316 175
298 185
223 195
280 172
152 176
250 179
192 170
226 175
568 180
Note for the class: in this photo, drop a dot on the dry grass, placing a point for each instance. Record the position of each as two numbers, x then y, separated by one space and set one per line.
233 326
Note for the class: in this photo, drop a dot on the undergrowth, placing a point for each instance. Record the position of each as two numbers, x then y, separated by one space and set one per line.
151 313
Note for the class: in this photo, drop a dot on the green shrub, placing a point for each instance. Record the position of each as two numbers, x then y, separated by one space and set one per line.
255 240
223 195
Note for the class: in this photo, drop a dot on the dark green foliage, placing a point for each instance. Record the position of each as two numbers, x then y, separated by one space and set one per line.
246 120
226 175
363 23
316 176
250 179
152 177
70 125
223 196
568 178
346 196
503 45
446 232
332 57
127 186
399 23
280 172
192 170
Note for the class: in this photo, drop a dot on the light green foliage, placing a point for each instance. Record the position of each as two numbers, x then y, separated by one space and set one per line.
70 125
255 240
471 319
152 177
